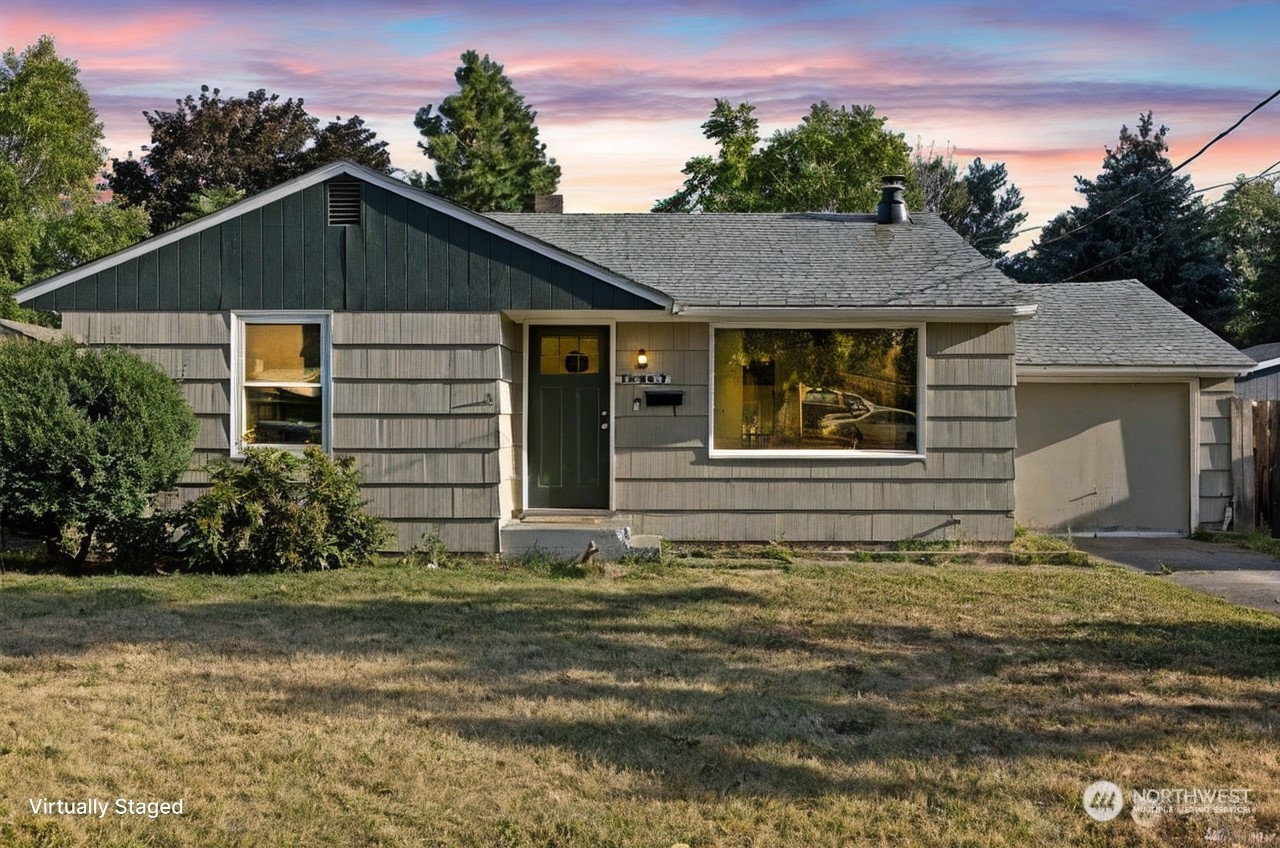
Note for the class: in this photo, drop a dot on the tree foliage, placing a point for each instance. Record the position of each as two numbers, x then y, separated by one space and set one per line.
484 143
277 511
831 162
88 437
51 215
990 216
1140 221
1247 226
212 145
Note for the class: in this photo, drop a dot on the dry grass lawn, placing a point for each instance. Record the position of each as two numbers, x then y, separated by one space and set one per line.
864 704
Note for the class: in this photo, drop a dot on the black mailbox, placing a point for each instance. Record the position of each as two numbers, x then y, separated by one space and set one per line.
663 398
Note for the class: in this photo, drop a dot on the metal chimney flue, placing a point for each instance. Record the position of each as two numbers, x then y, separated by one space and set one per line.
892 208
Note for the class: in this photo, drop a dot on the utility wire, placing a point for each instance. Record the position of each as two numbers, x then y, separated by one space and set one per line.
1117 207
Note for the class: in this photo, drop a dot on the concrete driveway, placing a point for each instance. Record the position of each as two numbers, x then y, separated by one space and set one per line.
1242 577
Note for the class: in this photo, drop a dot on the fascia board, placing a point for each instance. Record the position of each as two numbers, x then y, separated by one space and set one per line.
1117 373
890 314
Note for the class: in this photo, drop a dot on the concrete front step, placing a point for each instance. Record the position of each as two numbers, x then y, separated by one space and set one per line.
563 538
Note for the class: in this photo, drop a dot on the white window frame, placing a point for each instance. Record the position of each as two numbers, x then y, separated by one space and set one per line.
323 318
833 454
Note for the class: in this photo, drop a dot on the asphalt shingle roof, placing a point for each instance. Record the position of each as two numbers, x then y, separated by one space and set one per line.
781 260
1116 323
1263 352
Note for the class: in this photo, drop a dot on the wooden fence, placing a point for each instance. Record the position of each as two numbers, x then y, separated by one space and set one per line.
1255 448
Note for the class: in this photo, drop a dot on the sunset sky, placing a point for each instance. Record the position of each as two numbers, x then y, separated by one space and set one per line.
621 90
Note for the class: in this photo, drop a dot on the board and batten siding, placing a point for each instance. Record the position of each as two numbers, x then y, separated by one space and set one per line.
1260 385
667 484
404 256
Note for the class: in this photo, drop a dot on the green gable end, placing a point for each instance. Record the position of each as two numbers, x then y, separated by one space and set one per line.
403 255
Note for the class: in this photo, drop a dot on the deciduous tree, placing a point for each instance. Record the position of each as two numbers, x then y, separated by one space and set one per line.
484 143
52 216
832 161
213 145
1247 224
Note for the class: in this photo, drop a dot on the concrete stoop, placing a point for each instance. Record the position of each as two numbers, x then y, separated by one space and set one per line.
568 539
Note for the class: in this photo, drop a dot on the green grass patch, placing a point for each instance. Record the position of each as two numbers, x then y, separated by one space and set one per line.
1261 542
638 705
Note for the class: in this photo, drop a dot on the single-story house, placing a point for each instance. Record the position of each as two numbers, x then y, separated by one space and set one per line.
807 377
1262 380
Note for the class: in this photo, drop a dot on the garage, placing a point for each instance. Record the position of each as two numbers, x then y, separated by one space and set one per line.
1103 457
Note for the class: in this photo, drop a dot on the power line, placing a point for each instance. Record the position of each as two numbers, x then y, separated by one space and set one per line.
1117 207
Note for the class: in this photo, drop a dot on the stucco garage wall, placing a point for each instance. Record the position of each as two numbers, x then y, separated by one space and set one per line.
1104 456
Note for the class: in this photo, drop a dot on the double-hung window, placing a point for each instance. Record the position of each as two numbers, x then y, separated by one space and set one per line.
816 391
281 395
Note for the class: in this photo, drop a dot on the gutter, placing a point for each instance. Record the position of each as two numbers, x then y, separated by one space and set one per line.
993 314
1120 373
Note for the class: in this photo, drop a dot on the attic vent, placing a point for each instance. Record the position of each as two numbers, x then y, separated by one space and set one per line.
344 203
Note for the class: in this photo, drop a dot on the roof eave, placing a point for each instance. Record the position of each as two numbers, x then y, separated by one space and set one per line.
995 314
1102 373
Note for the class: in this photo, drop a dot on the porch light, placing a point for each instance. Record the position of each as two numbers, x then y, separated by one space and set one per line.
642 359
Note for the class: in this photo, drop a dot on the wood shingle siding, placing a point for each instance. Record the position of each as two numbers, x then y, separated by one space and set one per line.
423 401
666 483
284 255
1216 486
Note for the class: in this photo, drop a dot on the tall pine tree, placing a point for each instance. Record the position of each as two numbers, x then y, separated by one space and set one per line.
484 143
1141 221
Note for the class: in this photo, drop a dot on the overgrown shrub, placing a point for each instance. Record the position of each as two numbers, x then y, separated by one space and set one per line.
277 511
88 436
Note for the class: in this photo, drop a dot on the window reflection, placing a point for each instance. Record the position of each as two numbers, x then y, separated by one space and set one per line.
786 389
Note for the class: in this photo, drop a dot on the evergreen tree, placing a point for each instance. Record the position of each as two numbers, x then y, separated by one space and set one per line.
484 143
989 218
1139 221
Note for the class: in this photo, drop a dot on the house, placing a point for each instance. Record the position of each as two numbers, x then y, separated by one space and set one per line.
807 377
1262 380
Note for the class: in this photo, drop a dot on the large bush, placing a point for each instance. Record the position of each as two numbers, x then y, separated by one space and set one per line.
277 511
88 437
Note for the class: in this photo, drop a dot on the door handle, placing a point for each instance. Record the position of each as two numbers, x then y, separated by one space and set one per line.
604 423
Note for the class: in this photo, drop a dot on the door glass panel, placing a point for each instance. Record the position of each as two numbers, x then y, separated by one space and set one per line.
569 354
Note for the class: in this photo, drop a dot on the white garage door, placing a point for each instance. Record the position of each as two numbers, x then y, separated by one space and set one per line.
1103 457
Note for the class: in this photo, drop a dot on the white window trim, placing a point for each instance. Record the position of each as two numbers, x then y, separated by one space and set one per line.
767 453
324 318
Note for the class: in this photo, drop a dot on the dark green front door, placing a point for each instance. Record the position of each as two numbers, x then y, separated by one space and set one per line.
569 371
